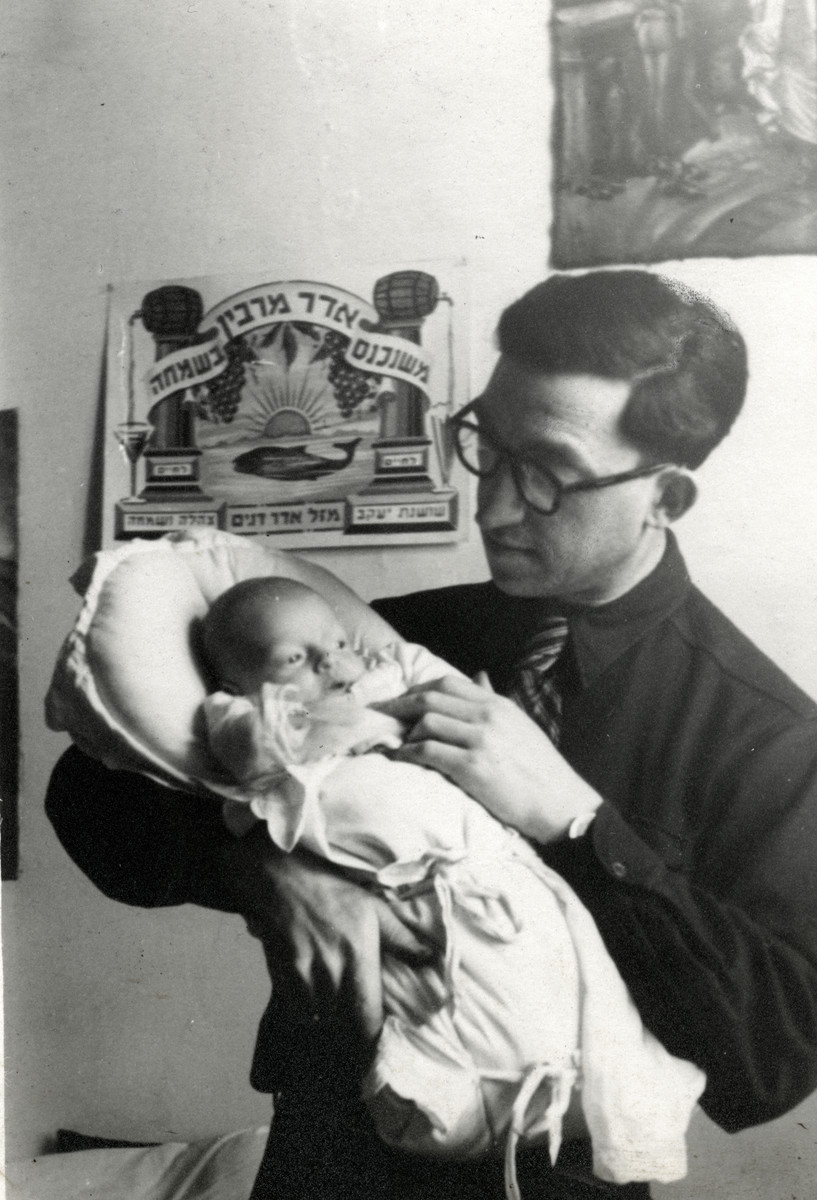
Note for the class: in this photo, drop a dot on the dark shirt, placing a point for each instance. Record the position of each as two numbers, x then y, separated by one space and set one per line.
700 865
698 868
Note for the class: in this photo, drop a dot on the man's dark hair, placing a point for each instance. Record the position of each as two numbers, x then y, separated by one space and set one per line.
684 358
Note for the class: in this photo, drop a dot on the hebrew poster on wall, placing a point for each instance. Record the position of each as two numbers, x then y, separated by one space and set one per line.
302 409
683 128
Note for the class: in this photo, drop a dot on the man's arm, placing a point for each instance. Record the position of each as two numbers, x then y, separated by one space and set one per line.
149 845
716 983
138 841
720 954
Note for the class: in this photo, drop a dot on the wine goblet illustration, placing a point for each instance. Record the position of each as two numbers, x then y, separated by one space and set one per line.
133 436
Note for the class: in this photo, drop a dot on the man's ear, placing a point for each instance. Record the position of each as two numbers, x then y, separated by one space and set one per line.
676 490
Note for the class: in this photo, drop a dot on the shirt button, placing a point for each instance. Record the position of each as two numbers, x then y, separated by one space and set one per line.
618 869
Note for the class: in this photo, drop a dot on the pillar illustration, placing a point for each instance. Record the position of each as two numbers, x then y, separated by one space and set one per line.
172 498
402 494
172 315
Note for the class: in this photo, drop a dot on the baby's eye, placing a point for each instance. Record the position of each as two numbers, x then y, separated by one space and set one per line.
342 643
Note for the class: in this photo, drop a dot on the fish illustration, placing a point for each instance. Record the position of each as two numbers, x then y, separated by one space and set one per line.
294 462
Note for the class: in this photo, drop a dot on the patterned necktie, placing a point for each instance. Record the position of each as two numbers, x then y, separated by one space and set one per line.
532 685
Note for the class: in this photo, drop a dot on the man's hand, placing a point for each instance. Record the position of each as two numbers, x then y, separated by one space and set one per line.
495 752
324 936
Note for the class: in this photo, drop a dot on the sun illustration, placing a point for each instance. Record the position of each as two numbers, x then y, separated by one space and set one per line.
273 408
287 422
287 395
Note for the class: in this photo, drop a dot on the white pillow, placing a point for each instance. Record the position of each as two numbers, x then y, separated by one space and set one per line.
220 1168
128 685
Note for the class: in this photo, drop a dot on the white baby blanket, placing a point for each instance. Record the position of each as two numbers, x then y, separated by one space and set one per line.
487 1048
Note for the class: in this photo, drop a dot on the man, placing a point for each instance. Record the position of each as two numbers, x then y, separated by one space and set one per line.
680 803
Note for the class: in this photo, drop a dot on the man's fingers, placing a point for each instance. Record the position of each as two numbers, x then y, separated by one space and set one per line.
411 945
412 709
339 981
407 707
438 727
418 699
365 981
297 1001
460 685
437 755
404 706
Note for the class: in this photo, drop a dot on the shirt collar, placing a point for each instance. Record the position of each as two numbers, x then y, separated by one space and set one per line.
599 634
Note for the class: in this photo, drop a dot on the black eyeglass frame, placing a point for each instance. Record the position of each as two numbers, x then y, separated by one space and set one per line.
517 465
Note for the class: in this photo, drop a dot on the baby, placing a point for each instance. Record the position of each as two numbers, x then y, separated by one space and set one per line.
522 1007
291 688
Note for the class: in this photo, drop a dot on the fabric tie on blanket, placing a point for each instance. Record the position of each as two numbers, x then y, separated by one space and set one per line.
459 890
533 687
561 1081
425 1091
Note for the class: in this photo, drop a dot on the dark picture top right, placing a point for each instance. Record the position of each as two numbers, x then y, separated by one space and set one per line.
683 128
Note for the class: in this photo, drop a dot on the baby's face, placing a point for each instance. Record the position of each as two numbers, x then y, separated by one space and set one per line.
306 647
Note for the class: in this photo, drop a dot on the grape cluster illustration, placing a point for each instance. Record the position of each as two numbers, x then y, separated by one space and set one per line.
350 385
224 392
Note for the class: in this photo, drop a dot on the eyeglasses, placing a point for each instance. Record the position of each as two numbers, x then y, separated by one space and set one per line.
538 487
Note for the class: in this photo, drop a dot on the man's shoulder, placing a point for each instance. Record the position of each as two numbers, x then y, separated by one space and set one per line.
448 621
460 599
715 638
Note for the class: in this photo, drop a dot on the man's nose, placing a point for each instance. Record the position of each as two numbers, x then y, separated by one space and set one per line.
498 500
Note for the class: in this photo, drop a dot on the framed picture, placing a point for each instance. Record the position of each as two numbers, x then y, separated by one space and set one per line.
683 128
300 409
9 686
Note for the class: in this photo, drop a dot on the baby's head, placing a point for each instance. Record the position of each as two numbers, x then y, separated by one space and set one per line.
274 630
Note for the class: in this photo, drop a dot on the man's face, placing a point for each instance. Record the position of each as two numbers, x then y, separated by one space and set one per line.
599 543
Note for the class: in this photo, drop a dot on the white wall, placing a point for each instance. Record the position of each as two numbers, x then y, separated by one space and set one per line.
177 138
